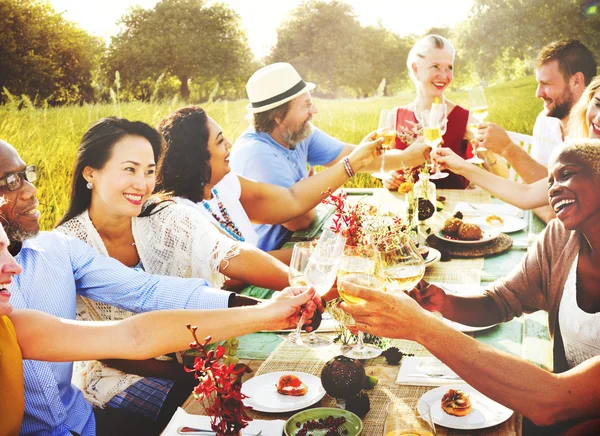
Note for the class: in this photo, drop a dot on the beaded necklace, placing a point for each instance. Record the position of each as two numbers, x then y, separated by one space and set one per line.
225 221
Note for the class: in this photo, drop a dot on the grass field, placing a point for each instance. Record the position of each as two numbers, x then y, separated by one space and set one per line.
49 138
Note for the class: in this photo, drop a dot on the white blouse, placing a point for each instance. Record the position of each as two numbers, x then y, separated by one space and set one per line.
580 330
229 191
174 241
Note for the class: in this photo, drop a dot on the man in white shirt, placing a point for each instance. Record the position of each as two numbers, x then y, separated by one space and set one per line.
564 68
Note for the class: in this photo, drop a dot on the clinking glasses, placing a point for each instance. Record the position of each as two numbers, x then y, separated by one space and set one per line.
15 181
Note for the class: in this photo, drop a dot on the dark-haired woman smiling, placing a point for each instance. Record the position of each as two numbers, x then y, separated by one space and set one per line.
196 170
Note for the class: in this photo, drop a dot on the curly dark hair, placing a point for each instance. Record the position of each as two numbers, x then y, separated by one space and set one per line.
572 57
185 168
95 150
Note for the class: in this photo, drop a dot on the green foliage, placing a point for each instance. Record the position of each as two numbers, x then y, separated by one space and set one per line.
43 56
184 39
327 44
48 137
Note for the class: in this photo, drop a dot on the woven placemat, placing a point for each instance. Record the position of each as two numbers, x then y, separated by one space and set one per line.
502 243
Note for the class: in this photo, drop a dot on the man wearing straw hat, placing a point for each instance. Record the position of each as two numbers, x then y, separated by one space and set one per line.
282 141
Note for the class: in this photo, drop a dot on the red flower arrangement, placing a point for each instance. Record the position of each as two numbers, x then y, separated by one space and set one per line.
219 384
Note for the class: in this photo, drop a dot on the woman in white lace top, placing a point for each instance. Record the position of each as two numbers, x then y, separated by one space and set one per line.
111 209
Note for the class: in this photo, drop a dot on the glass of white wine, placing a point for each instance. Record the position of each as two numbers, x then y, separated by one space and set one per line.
387 131
474 129
408 417
434 123
403 266
321 271
360 266
478 111
300 255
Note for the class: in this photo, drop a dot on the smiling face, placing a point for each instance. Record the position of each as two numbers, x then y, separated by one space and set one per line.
592 116
218 148
557 93
20 211
124 183
573 192
434 72
296 127
8 268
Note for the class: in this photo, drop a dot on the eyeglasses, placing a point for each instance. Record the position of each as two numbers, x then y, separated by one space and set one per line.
15 181
308 106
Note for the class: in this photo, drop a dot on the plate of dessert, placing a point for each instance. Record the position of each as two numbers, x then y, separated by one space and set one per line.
463 408
458 231
282 391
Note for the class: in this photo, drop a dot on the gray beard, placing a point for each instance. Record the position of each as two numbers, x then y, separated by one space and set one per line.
292 139
18 234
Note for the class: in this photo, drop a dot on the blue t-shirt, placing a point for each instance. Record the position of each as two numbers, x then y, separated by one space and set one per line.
259 157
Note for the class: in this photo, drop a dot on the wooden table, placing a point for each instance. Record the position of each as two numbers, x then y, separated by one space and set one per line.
526 336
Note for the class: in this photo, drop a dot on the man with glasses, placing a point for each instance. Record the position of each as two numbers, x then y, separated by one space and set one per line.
282 142
56 269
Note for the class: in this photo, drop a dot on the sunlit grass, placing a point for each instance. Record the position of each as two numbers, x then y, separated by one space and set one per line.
49 137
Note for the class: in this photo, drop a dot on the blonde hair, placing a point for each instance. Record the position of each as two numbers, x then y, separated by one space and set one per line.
423 47
577 126
584 149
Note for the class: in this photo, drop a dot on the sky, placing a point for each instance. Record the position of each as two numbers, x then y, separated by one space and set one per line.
261 18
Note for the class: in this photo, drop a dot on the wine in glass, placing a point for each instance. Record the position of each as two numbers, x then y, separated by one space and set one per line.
359 266
403 266
408 417
320 273
387 131
434 123
473 126
300 255
477 114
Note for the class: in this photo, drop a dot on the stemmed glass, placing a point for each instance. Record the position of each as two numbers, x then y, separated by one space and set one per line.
434 123
320 270
360 266
403 266
408 416
477 114
387 131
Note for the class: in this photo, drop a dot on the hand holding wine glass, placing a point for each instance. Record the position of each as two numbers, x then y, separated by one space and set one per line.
477 114
434 123
387 131
403 266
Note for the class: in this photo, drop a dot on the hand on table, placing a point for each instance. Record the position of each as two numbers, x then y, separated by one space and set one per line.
430 297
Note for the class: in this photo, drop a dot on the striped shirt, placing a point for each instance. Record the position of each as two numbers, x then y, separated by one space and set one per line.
55 269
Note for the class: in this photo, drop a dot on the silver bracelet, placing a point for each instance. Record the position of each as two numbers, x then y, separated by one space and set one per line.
348 168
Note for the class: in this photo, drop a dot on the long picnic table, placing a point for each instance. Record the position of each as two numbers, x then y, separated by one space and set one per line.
526 336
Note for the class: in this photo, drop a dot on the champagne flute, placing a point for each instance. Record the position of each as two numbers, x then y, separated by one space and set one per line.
473 126
321 271
387 131
434 123
300 255
359 266
408 417
403 266
478 110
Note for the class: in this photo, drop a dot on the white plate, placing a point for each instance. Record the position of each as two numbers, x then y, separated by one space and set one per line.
486 413
511 224
433 256
489 234
466 328
263 395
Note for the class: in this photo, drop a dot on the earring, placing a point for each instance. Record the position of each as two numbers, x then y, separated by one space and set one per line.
89 185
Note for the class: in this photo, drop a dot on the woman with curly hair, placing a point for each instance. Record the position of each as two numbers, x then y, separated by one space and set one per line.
584 122
196 171
113 210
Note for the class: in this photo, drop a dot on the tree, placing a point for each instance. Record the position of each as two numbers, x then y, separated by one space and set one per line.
184 38
327 45
44 56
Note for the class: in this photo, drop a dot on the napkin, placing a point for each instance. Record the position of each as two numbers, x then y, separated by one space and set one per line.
469 209
411 369
181 418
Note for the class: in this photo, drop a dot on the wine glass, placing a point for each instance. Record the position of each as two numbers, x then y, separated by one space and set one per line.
408 416
473 126
477 113
320 272
300 255
434 123
387 131
403 266
360 266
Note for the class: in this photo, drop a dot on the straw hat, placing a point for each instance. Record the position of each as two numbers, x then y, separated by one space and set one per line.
274 85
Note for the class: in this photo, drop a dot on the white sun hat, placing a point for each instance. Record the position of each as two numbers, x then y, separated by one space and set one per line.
273 85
